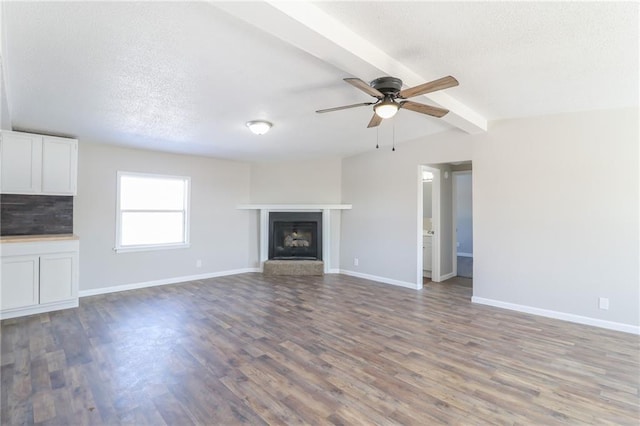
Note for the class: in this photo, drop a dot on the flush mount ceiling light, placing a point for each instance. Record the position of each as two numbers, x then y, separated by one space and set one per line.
259 127
386 108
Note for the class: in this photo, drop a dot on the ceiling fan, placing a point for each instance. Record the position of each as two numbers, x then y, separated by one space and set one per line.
391 98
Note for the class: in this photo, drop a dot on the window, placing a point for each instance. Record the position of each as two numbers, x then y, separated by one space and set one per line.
153 212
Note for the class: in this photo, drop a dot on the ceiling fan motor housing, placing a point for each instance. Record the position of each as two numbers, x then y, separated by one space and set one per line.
387 85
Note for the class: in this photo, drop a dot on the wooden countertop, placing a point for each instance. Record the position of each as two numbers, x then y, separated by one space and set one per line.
37 238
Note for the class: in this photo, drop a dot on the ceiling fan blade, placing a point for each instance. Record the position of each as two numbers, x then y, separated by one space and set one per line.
362 85
375 121
424 109
344 107
432 86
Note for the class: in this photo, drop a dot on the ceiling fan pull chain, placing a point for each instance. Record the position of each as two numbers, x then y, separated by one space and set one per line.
394 136
377 137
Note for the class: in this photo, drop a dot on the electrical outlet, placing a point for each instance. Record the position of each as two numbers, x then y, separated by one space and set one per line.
603 303
355 261
198 263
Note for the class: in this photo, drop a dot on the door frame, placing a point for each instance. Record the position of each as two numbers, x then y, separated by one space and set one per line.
435 220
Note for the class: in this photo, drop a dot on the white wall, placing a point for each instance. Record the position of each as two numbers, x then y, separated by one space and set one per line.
382 228
556 218
5 118
296 182
556 214
219 232
312 182
464 211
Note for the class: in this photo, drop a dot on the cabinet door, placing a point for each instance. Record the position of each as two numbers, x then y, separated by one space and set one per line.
427 254
57 277
19 281
59 165
20 161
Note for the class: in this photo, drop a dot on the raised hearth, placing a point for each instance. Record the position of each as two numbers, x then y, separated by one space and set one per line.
293 267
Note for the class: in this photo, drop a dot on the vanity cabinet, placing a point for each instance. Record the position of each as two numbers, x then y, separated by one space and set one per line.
427 255
38 277
37 164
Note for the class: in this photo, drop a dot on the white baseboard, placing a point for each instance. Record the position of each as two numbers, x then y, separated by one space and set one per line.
333 271
174 280
38 309
380 279
617 326
447 276
462 254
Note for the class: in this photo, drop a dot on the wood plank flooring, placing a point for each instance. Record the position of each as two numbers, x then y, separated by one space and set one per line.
311 350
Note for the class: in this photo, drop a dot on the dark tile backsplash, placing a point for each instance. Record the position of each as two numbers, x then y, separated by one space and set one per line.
35 214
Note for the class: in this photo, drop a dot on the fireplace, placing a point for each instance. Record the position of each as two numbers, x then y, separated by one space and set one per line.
295 235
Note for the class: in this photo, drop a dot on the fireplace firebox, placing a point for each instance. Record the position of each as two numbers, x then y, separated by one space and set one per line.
295 235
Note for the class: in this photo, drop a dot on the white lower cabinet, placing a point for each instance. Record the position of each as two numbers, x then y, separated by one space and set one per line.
38 277
56 277
19 281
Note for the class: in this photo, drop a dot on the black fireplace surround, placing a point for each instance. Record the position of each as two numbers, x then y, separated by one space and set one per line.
295 235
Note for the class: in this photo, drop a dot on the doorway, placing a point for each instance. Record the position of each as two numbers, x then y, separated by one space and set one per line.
445 223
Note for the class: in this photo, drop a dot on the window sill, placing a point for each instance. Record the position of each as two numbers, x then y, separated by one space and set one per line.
151 248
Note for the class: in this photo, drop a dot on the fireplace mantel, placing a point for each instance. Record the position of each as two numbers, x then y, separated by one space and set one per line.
294 207
264 210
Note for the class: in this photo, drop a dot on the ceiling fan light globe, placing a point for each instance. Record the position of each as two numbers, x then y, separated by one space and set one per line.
259 127
386 109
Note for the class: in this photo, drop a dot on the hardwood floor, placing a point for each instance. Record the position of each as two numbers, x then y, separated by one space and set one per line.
311 350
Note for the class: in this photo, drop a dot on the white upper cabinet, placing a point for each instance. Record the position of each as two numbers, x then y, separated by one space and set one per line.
59 165
36 164
21 155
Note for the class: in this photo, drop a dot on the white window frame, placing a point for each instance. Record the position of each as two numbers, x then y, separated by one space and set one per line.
149 247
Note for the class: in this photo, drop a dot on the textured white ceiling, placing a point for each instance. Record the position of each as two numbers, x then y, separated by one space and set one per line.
512 59
185 77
